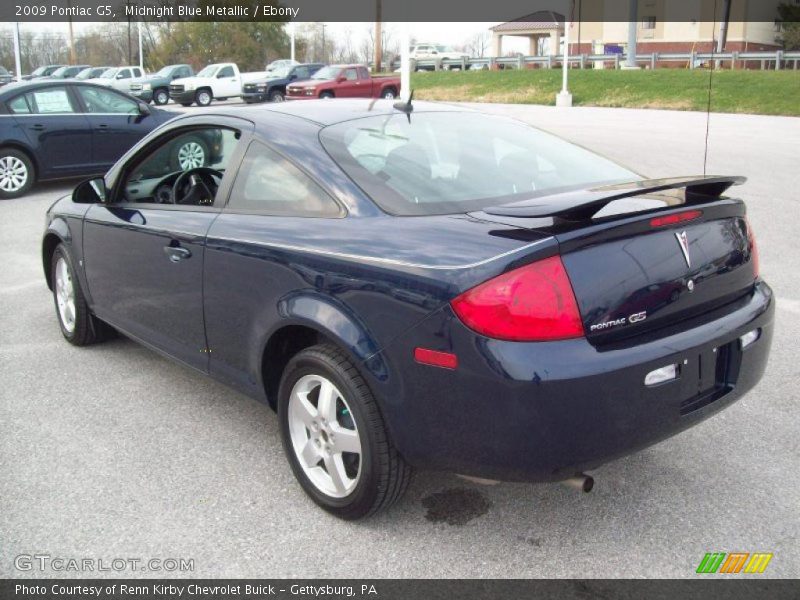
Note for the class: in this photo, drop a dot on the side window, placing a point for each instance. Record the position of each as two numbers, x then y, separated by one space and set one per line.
124 74
362 73
19 106
98 100
225 72
137 72
184 169
54 100
301 73
266 182
350 74
183 72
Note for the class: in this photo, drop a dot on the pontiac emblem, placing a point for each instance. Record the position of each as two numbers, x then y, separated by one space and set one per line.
683 242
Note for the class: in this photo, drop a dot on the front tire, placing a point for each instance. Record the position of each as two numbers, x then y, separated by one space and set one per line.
160 97
78 325
16 174
203 97
334 435
276 96
326 95
388 94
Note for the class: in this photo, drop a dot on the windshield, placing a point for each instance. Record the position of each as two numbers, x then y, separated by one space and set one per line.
165 72
39 71
60 72
456 162
3 71
326 73
109 74
444 48
208 71
280 72
85 74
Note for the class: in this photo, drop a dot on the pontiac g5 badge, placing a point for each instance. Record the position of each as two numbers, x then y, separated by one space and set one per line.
683 242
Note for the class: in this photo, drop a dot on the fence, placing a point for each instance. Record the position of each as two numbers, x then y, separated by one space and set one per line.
767 60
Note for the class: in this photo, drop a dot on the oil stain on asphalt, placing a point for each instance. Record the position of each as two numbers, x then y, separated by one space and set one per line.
456 506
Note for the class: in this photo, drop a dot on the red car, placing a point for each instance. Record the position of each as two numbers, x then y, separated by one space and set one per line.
344 81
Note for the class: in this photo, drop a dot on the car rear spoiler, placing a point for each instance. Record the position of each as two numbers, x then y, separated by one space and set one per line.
581 204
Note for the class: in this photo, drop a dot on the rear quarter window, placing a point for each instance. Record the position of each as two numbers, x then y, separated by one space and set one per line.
268 183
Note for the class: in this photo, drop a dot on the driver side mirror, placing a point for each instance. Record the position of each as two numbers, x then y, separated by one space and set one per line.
144 109
91 191
341 79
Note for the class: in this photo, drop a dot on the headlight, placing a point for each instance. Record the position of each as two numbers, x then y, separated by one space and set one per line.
261 88
189 86
147 86
309 89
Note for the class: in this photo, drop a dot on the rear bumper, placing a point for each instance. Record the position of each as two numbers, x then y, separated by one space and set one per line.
545 411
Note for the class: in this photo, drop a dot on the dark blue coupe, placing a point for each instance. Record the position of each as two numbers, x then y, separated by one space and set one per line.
434 288
53 129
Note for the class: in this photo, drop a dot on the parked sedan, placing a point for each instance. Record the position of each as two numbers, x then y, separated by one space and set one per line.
437 289
56 129
43 71
5 76
68 72
91 73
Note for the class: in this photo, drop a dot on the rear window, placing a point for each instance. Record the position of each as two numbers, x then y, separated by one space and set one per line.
455 162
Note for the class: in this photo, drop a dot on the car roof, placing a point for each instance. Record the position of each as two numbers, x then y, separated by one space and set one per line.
21 86
329 112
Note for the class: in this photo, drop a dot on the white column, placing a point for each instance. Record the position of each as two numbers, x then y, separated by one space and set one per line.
17 59
564 98
405 62
291 38
141 54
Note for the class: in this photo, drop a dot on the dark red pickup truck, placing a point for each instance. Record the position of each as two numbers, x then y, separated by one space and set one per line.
344 81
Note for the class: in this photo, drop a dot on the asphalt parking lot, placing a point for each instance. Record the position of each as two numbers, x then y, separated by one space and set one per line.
112 451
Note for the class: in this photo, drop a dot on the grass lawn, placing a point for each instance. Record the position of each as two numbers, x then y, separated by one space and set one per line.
756 92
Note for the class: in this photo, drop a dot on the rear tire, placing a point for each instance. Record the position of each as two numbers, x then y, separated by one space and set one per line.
17 175
78 325
314 433
388 94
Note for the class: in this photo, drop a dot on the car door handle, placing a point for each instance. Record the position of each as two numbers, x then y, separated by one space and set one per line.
37 127
176 253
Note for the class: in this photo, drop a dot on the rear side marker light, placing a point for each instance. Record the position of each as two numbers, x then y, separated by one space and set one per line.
661 375
445 360
681 217
753 249
534 303
749 337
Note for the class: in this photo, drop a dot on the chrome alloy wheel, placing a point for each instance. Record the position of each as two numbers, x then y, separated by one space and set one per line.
65 295
191 156
13 174
324 436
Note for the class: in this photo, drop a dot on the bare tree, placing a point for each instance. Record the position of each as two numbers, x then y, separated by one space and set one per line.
478 44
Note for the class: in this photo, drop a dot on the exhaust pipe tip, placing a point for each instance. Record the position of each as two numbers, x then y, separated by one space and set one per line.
581 482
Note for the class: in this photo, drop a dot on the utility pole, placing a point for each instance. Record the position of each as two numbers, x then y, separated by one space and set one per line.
324 51
141 54
17 59
130 52
291 39
723 30
72 59
405 63
633 21
378 37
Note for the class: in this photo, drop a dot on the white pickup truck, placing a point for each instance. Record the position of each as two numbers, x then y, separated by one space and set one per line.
220 81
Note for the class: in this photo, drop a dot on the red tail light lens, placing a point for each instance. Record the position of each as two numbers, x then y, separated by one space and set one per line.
534 303
666 220
753 249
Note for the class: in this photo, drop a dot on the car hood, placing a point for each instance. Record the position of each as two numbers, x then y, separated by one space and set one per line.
189 80
312 82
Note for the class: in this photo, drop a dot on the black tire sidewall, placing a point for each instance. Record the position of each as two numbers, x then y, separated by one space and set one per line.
276 94
362 498
9 152
199 93
156 95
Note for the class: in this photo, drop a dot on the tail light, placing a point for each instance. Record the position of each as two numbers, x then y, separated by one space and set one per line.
675 218
532 303
753 249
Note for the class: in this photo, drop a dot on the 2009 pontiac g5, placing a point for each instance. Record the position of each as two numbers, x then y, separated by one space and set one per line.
439 289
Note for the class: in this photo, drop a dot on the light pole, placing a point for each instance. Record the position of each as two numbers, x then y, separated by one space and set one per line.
17 59
564 98
633 10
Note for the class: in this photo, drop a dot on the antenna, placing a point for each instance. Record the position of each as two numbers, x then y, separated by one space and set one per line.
405 107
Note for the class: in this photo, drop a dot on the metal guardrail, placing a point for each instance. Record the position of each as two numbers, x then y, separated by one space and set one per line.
776 60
